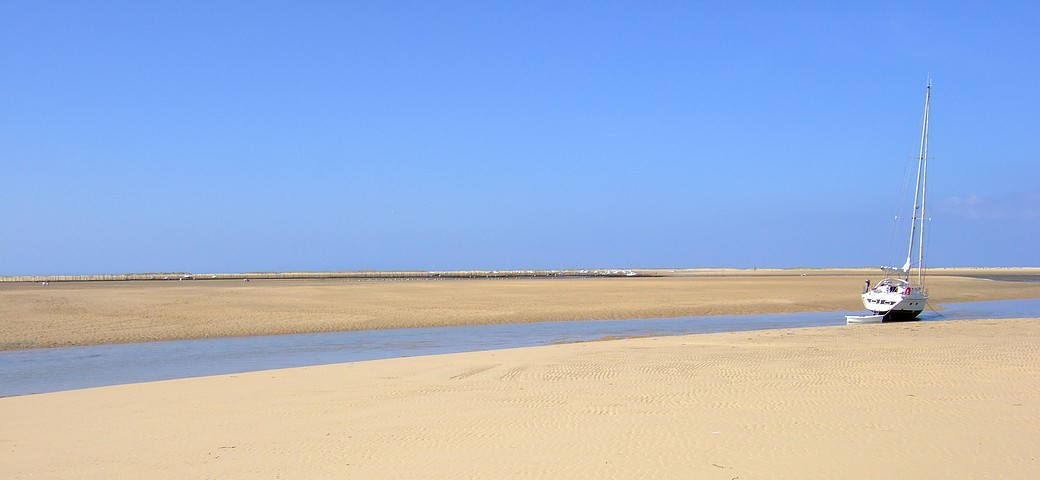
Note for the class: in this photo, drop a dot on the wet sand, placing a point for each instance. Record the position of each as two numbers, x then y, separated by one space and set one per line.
87 313
956 399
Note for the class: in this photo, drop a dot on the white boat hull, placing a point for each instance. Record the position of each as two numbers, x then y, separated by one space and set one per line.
895 299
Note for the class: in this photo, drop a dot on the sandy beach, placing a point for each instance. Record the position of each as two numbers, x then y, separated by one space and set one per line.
954 399
958 399
85 313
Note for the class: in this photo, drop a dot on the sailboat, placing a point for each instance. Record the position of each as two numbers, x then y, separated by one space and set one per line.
901 296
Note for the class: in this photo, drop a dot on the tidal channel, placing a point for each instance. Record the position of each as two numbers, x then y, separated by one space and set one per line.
25 372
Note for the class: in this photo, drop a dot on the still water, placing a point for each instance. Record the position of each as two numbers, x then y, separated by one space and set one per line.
54 369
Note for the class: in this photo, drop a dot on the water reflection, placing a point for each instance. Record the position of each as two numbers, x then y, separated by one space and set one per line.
48 370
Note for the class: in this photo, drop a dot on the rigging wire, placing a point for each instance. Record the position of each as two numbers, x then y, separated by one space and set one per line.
900 204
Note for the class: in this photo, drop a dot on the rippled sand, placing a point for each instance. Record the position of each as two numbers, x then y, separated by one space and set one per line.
957 399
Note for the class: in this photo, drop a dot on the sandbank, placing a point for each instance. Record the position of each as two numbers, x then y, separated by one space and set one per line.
956 399
85 313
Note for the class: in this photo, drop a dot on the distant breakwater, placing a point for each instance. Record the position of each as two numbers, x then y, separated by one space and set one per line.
372 274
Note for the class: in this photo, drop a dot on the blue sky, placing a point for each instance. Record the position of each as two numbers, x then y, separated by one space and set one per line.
272 136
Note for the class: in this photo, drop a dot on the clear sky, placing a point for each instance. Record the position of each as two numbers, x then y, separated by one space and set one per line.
276 136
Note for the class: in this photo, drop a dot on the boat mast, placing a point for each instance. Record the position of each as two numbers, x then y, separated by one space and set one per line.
924 184
918 205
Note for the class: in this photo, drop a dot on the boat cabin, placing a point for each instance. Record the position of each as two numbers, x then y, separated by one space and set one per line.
893 285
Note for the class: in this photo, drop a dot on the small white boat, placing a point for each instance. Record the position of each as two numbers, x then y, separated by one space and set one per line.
864 319
904 298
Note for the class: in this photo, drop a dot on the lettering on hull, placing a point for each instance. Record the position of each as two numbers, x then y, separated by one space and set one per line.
881 302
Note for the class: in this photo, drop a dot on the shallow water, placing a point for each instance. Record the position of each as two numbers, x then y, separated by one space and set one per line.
54 369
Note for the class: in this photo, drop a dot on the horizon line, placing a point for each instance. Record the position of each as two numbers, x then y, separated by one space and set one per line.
476 273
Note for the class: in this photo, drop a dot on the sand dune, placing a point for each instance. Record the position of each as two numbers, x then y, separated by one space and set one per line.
920 400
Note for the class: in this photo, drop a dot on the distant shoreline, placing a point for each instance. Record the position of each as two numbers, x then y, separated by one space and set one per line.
996 273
